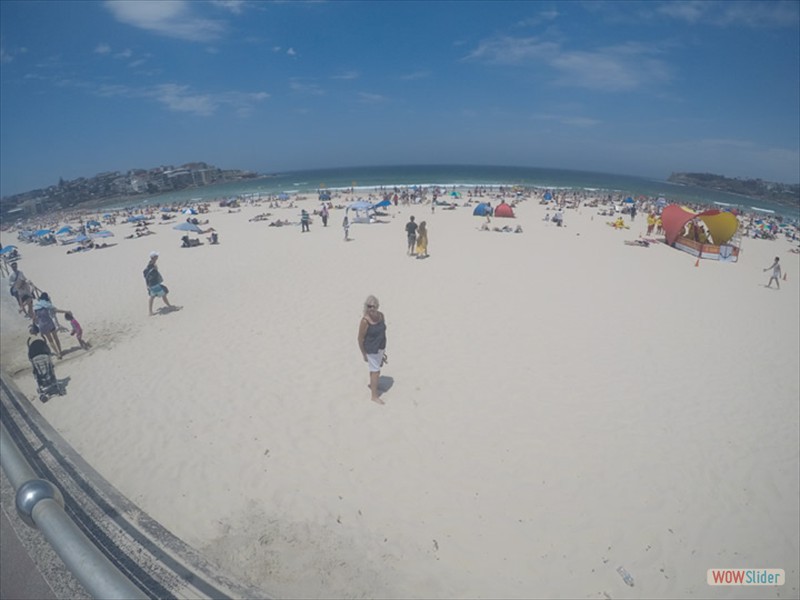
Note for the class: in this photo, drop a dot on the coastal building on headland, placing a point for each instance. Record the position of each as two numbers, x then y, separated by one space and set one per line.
113 184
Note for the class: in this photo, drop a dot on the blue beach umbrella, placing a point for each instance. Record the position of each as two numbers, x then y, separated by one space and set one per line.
548 196
381 204
42 232
186 226
82 238
93 223
628 200
7 249
64 229
103 234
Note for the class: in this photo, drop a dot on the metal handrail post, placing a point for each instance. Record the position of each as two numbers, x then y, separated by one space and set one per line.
40 505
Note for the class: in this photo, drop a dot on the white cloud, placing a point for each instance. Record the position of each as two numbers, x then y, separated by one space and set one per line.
507 50
618 68
690 11
571 120
178 98
174 18
732 13
173 96
234 6
127 53
276 48
291 52
368 98
544 16
347 75
102 49
7 56
415 75
305 87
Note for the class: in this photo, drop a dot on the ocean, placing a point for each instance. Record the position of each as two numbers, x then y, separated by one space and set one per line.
463 176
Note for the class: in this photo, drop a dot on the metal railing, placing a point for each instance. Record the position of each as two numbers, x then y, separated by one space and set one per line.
40 505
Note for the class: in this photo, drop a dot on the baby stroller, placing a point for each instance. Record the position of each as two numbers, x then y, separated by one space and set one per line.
46 383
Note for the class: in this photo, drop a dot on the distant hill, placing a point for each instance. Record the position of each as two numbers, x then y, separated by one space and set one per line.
779 193
135 183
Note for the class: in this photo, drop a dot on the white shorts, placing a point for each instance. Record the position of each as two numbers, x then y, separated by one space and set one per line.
374 361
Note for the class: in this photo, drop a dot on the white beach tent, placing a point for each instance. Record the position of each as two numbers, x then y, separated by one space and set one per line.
359 211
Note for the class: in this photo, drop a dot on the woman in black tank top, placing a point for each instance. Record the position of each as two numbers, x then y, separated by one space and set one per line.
372 343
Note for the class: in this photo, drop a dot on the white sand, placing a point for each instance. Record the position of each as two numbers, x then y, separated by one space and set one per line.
560 404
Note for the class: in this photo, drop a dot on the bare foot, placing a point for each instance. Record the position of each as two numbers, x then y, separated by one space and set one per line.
378 400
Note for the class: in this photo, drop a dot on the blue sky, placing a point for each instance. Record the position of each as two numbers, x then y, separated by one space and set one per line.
632 88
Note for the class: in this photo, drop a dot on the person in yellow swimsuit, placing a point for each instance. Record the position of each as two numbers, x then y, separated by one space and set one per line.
422 240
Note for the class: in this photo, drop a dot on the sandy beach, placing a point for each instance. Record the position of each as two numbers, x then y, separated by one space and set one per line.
557 404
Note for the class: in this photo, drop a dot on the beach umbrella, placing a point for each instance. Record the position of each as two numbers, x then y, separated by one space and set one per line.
628 200
82 238
42 232
381 204
134 219
7 249
186 226
189 211
93 223
107 216
548 196
64 229
360 205
455 194
103 234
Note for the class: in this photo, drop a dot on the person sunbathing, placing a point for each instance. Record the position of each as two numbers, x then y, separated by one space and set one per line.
189 242
642 243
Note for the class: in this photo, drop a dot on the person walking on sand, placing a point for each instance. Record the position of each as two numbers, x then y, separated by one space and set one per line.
422 240
305 219
776 273
346 227
77 330
372 343
411 232
154 281
43 311
324 214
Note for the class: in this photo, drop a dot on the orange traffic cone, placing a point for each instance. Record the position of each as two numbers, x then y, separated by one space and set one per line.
697 262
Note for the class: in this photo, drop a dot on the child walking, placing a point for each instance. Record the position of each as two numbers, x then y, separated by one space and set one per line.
77 330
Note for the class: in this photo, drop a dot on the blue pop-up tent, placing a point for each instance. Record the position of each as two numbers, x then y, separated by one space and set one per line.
64 229
482 210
